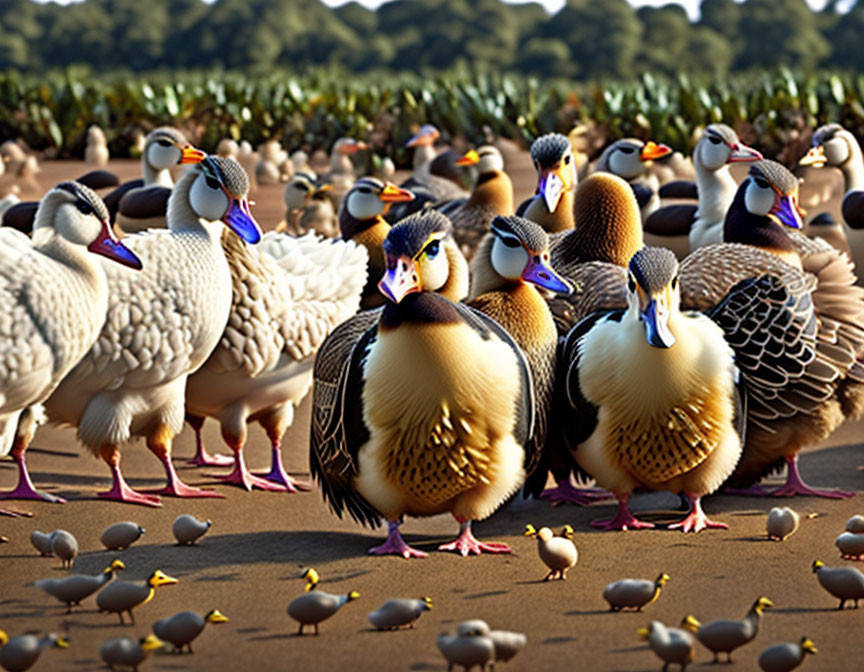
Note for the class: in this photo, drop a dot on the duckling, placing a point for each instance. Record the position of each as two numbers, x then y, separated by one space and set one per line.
470 646
507 644
844 583
96 151
480 438
552 207
630 159
121 596
126 652
718 147
361 219
77 587
315 606
274 166
181 629
142 204
21 653
118 536
633 593
671 645
558 553
787 656
65 546
188 529
300 162
855 525
248 158
53 296
491 196
42 542
341 176
726 636
307 208
13 155
782 523
397 613
160 328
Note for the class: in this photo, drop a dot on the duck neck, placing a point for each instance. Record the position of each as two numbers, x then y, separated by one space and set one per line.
753 617
456 287
341 164
494 190
422 154
75 257
484 278
153 177
742 226
180 216
613 240
716 191
853 168
552 222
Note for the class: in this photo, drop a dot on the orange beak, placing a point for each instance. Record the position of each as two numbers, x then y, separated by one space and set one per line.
652 150
393 194
192 154
471 158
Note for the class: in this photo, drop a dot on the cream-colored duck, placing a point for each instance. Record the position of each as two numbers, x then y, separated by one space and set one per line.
718 147
341 175
142 204
552 206
558 553
96 151
398 613
127 652
470 646
53 299
633 593
124 596
786 656
674 646
315 606
307 208
372 431
274 166
725 636
161 326
21 653
630 159
782 523
288 295
844 583
228 148
72 589
183 628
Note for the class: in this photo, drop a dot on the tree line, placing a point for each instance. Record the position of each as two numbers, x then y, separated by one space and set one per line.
585 40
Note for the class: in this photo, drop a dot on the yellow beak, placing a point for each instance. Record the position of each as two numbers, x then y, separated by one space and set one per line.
815 157
190 154
471 158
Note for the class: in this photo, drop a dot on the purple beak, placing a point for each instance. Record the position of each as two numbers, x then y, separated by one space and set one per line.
784 209
108 246
241 221
657 326
542 275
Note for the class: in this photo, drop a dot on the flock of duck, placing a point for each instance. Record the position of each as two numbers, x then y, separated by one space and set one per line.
706 358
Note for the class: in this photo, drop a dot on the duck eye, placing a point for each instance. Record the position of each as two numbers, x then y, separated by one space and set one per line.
714 139
163 143
510 242
627 150
364 190
212 182
432 249
567 160
761 182
84 207
674 282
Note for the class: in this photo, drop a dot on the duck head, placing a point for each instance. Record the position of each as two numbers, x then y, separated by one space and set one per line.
653 292
487 159
368 199
220 193
302 188
116 566
807 646
832 146
762 604
556 169
520 252
348 146
427 135
166 147
720 145
159 578
629 158
772 191
215 616
817 565
690 623
662 580
150 643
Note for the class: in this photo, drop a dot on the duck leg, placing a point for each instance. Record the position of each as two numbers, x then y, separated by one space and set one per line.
202 458
466 543
25 488
120 491
395 544
275 424
697 521
623 518
241 475
566 492
159 443
14 513
795 485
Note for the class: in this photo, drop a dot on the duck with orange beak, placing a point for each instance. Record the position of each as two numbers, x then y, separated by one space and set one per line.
630 159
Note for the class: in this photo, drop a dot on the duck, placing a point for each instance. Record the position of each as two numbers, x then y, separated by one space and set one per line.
718 147
53 296
73 589
361 219
160 327
307 208
398 613
482 445
833 145
558 553
634 593
786 656
851 542
300 162
552 206
122 535
630 159
436 176
724 636
123 596
671 423
248 158
799 404
274 166
491 196
21 653
228 148
181 629
782 523
127 652
511 269
315 606
674 646
188 529
96 151
507 644
470 646
341 174
288 295
844 583
13 155
65 546
42 542
142 204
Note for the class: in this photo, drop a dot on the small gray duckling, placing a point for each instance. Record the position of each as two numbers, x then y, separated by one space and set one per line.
725 636
397 613
558 553
787 656
470 646
180 629
65 546
42 542
844 583
672 645
121 596
855 525
77 587
21 653
507 644
315 606
118 536
782 523
188 529
126 652
633 593
850 545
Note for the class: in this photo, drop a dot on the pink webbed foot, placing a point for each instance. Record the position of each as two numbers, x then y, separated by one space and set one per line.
795 485
566 492
121 492
467 543
177 488
241 476
696 521
753 491
278 475
202 458
25 488
623 519
395 544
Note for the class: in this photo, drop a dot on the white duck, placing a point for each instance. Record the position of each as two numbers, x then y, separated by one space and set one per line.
289 294
53 299
96 152
161 326
341 176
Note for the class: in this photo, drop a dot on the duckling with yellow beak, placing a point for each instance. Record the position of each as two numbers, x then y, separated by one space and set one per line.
552 206
444 410
649 396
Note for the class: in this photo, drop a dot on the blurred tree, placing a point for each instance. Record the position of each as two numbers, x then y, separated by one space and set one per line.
780 32
845 37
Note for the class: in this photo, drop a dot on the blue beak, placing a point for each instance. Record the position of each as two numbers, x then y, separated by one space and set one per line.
542 275
657 326
241 221
784 210
108 246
